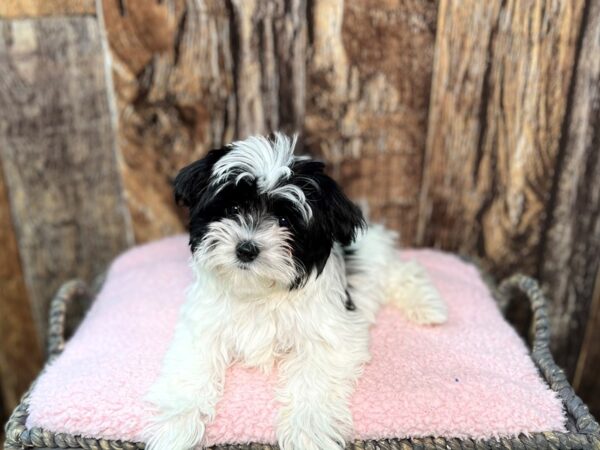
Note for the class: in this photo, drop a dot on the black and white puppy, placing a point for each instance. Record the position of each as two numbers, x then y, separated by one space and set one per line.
287 274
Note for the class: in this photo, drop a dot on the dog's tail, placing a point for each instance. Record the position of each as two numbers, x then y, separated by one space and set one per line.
376 275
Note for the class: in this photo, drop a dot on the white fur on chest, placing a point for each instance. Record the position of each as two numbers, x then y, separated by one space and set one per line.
258 330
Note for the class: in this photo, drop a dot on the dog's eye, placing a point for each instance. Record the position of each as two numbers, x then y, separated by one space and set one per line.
283 222
231 210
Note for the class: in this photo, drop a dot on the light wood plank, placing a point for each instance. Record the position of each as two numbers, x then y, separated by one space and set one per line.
18 9
57 147
502 78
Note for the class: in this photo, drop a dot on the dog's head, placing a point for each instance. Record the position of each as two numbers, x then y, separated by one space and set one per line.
259 214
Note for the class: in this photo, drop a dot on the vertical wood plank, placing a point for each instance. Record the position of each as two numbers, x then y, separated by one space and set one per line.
570 249
57 147
15 9
154 134
501 84
585 381
501 76
20 351
369 77
193 75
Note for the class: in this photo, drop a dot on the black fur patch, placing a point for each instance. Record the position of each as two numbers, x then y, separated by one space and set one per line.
349 304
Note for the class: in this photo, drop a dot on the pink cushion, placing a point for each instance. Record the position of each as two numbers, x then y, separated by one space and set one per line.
471 377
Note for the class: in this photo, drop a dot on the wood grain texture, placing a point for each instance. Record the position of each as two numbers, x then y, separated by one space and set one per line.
497 109
205 73
369 76
191 76
20 351
570 251
58 153
14 9
173 84
585 380
153 136
500 179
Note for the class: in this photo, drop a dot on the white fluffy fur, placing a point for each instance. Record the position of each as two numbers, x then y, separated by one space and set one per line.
319 347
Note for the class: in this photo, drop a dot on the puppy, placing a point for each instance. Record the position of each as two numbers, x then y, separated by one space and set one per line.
287 275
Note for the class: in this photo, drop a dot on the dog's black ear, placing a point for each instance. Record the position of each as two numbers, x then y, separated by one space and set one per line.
191 181
345 219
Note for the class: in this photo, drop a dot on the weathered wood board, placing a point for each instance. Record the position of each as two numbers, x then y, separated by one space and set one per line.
369 77
191 76
585 381
18 9
20 351
502 180
57 147
173 78
571 262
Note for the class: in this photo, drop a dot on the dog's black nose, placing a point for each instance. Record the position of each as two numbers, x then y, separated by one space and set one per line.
247 251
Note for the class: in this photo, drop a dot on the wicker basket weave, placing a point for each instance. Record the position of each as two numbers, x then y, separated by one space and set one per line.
583 430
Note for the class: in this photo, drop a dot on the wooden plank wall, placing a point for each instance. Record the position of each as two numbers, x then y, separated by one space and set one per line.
368 83
570 255
59 158
61 203
20 351
470 126
510 175
205 75
581 208
512 171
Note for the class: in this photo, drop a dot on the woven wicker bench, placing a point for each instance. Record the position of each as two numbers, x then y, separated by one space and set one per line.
583 430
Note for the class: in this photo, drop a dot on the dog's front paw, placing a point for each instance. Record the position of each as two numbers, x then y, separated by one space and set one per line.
311 430
181 431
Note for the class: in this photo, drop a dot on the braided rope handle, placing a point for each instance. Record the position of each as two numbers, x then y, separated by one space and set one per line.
68 293
540 351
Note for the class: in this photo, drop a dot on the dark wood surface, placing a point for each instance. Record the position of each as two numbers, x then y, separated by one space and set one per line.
20 349
368 83
570 249
586 377
573 262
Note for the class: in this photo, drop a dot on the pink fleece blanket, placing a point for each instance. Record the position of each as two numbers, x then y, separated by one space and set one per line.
471 377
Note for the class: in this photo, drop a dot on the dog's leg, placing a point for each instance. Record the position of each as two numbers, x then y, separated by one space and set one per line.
317 383
187 391
377 275
410 289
